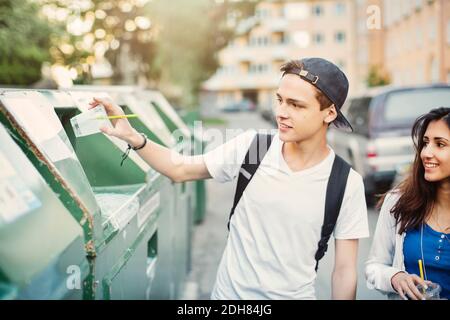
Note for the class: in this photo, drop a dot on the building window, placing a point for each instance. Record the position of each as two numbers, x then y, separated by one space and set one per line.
339 37
448 31
259 41
396 9
280 38
363 55
432 28
258 68
339 9
227 70
362 27
387 11
361 3
420 75
434 71
412 41
262 13
418 4
317 11
419 38
318 38
404 8
296 11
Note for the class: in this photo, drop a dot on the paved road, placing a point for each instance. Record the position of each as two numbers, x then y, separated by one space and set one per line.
209 238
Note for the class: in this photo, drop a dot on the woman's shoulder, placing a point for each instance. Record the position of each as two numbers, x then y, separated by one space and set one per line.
390 200
393 195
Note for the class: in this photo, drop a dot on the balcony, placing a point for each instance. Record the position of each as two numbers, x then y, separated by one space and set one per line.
248 53
277 24
241 81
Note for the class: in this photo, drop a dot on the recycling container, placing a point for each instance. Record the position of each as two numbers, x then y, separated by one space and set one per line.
150 123
196 143
41 244
117 207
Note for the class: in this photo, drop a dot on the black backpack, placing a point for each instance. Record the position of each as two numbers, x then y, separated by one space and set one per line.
334 196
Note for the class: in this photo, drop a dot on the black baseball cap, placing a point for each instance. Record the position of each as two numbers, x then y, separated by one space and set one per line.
329 79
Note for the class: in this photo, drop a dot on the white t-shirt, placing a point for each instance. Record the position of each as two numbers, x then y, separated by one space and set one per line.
276 225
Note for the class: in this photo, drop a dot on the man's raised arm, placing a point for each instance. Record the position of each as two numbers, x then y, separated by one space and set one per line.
168 162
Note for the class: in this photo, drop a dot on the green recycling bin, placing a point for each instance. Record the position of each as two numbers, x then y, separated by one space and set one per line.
150 123
117 207
188 144
110 180
41 245
168 282
196 144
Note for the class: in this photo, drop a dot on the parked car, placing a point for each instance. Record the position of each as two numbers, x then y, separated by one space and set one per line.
243 105
380 148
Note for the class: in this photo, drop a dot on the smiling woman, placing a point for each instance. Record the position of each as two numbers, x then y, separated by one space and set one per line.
436 153
430 171
414 222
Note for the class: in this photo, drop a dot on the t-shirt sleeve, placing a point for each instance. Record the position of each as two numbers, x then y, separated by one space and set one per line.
353 222
224 161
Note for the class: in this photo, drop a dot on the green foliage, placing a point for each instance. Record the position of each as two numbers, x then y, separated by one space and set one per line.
214 121
176 50
191 34
376 78
24 38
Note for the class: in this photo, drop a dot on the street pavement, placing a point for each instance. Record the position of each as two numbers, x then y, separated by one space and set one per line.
209 237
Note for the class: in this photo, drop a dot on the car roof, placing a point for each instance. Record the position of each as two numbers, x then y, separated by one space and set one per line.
376 91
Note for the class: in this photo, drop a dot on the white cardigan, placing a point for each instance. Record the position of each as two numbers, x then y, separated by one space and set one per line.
386 255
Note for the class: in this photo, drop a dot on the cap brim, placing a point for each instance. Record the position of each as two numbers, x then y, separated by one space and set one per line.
341 122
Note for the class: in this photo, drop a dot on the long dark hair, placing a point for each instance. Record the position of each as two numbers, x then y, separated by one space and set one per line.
417 195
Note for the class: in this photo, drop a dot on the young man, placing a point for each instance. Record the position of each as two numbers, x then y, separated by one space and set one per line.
276 226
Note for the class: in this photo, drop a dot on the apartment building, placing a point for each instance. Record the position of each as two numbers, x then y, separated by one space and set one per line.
417 41
280 31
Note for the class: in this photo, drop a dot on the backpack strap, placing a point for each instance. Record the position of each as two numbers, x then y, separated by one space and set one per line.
334 196
255 154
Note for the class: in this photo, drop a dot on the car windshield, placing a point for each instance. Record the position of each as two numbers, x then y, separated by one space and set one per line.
403 107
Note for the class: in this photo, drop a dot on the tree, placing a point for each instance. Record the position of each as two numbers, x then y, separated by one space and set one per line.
95 29
25 41
190 36
376 77
173 45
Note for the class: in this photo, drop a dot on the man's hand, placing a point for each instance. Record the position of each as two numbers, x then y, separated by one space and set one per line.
121 127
